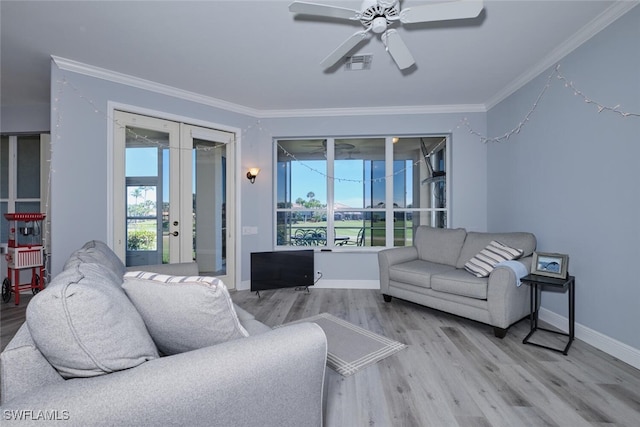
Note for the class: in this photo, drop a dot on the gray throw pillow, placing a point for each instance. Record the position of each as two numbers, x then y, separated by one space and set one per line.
183 313
85 325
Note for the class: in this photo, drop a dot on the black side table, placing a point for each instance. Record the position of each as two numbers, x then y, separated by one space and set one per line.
541 282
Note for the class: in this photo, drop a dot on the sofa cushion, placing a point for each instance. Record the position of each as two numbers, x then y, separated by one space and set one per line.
183 313
476 241
85 325
81 256
439 245
105 255
95 251
416 272
24 368
460 282
483 263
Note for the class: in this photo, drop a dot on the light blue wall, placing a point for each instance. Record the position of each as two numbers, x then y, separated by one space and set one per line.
80 148
32 118
468 171
572 177
79 207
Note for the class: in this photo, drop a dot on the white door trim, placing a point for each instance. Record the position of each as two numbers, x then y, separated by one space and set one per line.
113 105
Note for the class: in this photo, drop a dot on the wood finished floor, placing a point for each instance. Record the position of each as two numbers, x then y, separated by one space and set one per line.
454 372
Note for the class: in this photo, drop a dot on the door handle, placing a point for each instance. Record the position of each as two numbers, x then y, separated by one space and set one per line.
175 233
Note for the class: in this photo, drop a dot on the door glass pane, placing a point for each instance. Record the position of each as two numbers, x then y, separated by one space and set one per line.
142 218
142 161
209 206
28 167
146 159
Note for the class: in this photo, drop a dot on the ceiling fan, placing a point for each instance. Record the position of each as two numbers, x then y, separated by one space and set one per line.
377 16
337 146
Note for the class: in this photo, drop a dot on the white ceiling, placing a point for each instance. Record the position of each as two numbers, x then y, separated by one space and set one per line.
256 54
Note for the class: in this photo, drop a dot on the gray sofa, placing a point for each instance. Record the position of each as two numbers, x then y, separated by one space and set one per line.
432 273
268 378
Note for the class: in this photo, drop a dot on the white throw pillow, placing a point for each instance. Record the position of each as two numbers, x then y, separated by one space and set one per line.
183 313
483 263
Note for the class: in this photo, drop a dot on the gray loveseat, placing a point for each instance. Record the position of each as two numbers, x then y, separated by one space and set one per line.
268 378
432 273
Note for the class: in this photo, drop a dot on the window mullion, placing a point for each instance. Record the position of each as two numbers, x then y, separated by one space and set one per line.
330 191
388 172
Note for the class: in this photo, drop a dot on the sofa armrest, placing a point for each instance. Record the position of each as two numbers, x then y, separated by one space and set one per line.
177 269
274 379
507 301
392 256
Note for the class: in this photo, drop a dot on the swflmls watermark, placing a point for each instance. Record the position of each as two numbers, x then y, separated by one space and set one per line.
35 415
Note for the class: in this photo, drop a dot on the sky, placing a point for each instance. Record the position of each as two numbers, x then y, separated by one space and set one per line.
309 175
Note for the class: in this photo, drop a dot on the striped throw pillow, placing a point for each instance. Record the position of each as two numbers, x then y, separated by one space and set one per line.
183 313
483 263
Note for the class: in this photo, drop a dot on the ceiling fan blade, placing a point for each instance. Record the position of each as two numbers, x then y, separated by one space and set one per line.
343 49
397 49
323 10
461 9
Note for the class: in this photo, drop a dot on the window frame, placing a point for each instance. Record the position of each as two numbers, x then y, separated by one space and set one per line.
388 211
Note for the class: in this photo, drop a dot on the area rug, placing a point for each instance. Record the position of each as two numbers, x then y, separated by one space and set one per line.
350 347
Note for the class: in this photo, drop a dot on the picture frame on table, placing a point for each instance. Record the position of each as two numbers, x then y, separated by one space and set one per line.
550 264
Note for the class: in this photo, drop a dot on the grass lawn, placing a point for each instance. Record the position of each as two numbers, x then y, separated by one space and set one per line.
374 231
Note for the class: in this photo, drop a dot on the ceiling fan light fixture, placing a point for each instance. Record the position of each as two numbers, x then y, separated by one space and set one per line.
379 25
387 3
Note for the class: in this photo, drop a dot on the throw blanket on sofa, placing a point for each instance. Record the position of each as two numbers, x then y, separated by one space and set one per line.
517 267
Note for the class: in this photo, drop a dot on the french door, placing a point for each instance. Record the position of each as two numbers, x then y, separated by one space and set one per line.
173 194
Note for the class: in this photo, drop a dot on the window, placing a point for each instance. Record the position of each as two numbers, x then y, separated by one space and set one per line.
340 192
23 169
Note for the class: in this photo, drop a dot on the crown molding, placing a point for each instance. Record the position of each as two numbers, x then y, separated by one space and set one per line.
596 25
125 79
373 111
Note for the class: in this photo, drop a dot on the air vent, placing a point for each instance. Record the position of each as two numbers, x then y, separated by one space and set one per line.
358 62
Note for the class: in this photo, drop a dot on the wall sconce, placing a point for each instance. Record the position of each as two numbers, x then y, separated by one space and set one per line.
251 175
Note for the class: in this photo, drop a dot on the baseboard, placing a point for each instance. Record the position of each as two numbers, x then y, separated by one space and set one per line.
615 348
